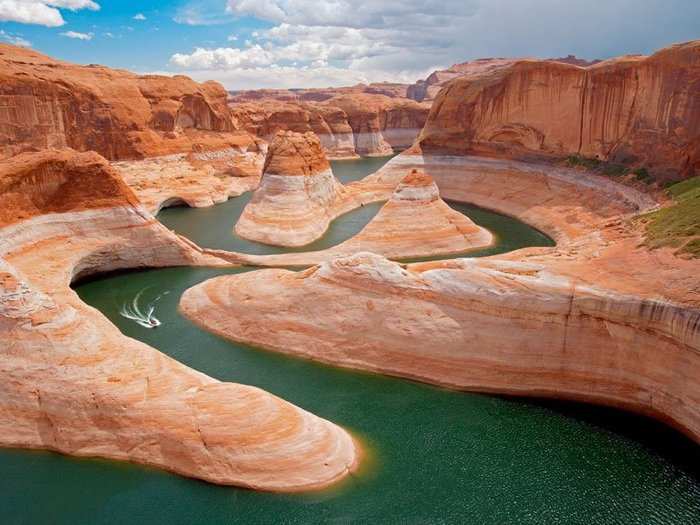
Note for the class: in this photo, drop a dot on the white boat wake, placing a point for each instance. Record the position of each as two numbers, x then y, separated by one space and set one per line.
133 311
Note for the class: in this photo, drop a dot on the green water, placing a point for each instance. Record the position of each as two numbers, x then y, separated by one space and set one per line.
437 456
214 227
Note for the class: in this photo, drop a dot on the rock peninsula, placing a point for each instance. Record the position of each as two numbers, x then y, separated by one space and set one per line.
72 383
566 322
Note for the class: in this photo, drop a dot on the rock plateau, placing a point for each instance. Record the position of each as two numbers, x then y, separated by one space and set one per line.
173 121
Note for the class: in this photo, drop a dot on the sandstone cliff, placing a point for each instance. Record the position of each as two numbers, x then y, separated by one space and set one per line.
598 318
640 111
348 123
294 203
71 382
46 103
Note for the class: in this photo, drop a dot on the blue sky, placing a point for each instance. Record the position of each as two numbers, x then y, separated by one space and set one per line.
296 43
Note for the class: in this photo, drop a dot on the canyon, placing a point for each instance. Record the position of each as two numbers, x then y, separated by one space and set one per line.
73 383
635 110
568 321
579 293
348 124
89 154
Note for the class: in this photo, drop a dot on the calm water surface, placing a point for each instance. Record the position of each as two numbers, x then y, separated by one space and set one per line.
435 456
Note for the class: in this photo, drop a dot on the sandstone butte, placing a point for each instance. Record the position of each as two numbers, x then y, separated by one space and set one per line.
348 123
294 203
635 110
415 222
196 153
71 382
598 318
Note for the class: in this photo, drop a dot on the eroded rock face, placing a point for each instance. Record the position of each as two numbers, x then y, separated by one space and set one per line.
198 179
642 111
47 103
415 222
571 321
348 124
494 326
426 90
71 382
294 203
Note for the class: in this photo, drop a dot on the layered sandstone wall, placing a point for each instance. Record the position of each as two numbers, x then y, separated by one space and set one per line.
641 111
46 103
481 325
597 318
71 382
348 124
294 203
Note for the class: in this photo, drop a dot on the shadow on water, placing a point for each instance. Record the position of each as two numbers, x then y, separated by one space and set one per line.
437 456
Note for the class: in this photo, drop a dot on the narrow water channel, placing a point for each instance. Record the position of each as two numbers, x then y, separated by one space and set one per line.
435 456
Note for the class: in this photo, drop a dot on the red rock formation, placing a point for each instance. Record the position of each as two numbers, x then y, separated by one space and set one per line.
295 154
71 382
598 318
54 181
47 103
264 119
381 124
426 90
294 203
389 89
634 110
348 124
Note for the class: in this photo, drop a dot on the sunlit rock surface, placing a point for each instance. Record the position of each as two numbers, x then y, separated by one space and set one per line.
71 382
597 318
294 202
636 110
348 122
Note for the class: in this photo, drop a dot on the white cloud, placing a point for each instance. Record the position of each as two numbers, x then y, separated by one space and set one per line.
14 39
317 42
294 77
232 38
78 36
41 12
224 58
351 13
139 16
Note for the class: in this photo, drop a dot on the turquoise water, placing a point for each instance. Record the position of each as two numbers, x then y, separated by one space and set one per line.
436 456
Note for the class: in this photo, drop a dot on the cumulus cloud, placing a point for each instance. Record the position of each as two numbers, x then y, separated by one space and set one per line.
344 41
14 39
139 16
78 36
41 12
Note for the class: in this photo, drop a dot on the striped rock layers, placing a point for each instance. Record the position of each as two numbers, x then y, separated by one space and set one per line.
71 382
294 203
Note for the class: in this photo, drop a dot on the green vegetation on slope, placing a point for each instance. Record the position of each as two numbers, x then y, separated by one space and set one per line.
678 225
611 169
